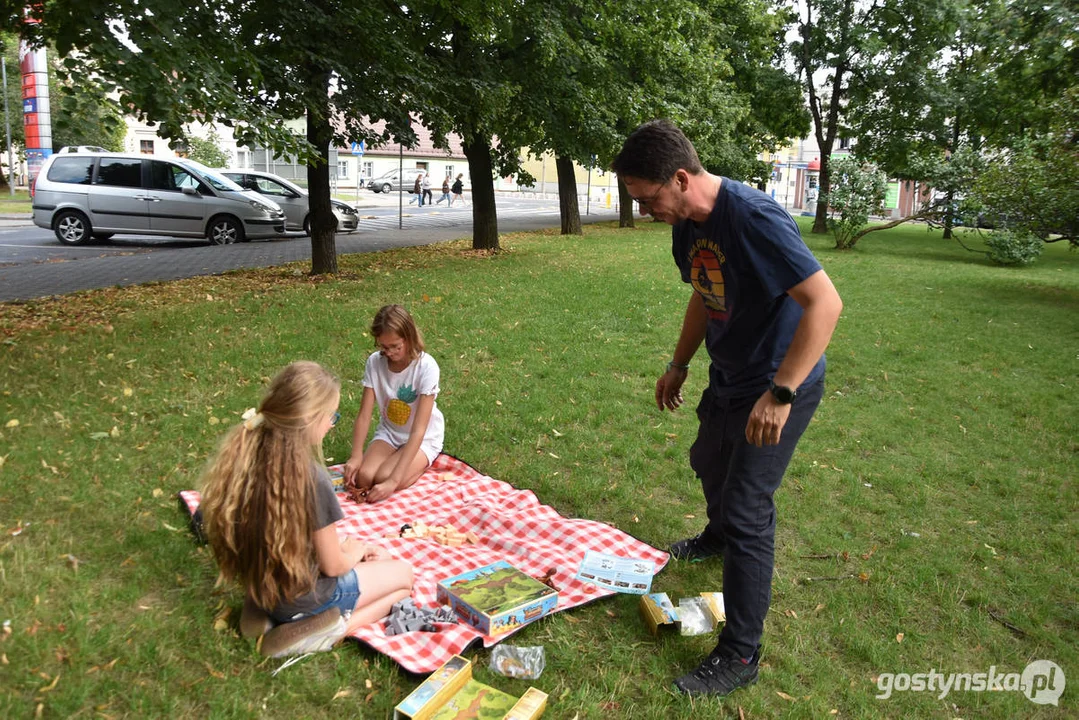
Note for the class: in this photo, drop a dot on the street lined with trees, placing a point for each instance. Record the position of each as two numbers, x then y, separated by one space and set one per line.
914 85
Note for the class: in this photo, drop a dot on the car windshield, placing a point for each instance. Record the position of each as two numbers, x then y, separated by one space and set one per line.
213 178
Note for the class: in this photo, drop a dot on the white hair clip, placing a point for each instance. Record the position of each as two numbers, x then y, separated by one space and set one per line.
252 418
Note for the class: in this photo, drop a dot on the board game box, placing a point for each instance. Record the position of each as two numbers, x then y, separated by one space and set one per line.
450 693
497 598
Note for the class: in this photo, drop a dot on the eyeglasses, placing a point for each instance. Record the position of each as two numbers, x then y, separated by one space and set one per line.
646 203
335 418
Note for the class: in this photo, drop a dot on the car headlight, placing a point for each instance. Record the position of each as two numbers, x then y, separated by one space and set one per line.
346 209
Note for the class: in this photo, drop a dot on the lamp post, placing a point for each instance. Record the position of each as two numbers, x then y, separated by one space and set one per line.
7 129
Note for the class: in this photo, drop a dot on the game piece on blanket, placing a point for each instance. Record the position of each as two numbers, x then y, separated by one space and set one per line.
510 524
406 617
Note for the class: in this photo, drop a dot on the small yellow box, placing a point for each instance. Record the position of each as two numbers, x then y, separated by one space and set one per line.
450 692
714 602
658 611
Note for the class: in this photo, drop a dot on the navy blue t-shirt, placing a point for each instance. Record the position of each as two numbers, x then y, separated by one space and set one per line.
742 260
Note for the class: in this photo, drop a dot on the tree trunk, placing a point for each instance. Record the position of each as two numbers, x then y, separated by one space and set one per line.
625 206
484 218
323 222
824 183
567 197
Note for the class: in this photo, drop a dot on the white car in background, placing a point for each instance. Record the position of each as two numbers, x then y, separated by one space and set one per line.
293 200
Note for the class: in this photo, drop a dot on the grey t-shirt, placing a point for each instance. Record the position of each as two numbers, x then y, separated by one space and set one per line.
327 512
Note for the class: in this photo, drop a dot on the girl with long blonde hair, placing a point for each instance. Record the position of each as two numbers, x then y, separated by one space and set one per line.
269 510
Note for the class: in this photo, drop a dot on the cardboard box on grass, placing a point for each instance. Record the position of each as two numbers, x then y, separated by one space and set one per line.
497 598
450 693
659 612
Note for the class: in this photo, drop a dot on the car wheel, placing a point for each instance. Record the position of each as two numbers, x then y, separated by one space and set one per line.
71 227
224 230
386 188
307 226
102 237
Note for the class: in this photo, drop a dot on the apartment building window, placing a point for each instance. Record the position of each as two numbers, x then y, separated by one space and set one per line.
342 169
369 169
146 147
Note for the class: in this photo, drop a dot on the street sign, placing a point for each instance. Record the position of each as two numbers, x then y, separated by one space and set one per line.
359 148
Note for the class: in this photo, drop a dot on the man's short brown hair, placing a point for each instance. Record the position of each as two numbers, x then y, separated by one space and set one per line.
655 151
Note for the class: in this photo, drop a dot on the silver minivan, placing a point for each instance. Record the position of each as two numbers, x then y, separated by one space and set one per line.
87 196
391 181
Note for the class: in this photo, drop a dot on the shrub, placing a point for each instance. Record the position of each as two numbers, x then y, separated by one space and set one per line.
1013 247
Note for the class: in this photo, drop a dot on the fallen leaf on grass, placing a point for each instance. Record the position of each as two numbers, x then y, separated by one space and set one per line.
340 694
367 683
51 686
790 613
864 577
158 492
12 423
221 621
785 696
107 666
215 673
4 660
899 637
72 561
39 711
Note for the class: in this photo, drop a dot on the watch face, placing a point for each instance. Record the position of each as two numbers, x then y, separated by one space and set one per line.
783 394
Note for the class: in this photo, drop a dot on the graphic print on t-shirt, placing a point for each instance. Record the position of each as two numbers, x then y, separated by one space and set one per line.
398 410
706 276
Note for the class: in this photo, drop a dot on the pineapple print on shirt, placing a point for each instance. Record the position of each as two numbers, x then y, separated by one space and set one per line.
398 410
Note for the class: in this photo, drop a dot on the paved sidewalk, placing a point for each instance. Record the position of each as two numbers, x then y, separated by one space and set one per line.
137 266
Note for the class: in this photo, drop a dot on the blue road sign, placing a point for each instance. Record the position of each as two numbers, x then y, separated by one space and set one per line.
359 148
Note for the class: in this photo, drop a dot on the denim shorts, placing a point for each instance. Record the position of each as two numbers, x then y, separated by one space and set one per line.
344 597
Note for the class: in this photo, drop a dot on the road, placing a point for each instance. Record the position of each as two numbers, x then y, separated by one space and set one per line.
34 264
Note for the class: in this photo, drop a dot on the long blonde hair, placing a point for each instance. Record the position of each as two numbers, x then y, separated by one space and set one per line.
257 494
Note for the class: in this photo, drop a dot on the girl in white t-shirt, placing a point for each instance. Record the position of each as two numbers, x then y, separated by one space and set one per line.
403 380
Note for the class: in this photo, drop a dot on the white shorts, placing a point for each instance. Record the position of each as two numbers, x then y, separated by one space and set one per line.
430 450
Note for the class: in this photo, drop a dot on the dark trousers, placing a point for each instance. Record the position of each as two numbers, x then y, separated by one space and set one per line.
739 480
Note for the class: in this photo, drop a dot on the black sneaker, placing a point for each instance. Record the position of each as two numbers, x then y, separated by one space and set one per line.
697 548
720 674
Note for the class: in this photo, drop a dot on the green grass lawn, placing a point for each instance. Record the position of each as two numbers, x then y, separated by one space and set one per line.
928 521
17 204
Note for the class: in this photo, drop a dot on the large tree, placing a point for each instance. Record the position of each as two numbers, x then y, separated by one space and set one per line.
849 47
254 64
964 79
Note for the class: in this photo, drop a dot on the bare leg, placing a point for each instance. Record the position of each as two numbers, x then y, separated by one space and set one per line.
384 486
382 583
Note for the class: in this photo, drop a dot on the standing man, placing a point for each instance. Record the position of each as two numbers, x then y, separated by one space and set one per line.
766 311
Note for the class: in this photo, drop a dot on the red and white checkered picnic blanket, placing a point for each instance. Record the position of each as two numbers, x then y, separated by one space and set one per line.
511 524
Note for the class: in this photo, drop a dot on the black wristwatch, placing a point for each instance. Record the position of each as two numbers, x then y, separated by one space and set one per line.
783 395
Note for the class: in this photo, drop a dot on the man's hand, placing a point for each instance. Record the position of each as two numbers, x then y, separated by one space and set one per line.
669 389
766 420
